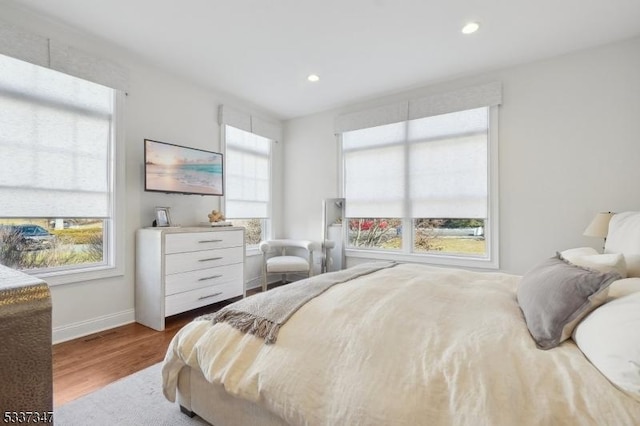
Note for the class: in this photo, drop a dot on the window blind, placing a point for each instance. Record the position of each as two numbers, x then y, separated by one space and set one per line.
249 123
247 174
56 143
379 116
489 94
447 165
434 167
374 172
38 50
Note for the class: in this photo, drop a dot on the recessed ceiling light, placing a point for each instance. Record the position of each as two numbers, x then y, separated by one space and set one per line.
313 78
470 28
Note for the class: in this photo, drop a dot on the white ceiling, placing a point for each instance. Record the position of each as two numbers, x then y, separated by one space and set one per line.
263 50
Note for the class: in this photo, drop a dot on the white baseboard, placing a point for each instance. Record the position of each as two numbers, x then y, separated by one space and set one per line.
93 325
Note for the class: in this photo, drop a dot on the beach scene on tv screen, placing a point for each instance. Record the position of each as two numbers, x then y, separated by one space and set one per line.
174 168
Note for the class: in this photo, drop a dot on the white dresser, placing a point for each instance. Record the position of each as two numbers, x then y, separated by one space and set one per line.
179 269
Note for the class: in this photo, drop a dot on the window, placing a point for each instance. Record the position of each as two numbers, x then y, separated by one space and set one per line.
421 187
57 170
247 182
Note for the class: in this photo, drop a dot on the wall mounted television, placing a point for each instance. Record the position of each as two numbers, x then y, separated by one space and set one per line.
179 169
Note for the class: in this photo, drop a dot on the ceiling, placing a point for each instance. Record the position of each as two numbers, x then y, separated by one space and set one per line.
263 50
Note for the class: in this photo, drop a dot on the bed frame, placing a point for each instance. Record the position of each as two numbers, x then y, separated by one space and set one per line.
213 404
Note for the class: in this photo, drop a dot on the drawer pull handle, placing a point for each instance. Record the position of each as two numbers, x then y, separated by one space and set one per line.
213 277
209 259
210 296
210 241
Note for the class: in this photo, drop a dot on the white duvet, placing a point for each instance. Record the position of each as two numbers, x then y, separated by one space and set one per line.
410 345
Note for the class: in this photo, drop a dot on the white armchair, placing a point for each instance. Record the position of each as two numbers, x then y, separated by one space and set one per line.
291 256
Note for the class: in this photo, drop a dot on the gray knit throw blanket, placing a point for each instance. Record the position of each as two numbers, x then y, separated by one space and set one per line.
264 313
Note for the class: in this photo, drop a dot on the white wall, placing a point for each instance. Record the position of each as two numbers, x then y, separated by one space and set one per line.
569 148
311 157
159 106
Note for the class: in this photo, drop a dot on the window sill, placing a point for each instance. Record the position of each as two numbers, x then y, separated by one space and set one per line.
71 276
428 259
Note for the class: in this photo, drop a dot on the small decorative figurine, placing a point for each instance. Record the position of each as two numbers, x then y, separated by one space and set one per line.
216 216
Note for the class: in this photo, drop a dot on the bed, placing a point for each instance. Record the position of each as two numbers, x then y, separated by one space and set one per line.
409 344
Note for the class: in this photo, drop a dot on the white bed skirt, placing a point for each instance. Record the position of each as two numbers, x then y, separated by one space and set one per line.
213 404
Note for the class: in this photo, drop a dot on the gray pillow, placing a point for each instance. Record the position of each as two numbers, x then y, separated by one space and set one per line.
555 295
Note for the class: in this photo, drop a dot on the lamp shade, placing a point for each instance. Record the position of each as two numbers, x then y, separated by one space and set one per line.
599 226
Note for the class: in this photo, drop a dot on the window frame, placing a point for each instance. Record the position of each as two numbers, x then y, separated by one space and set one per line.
406 254
113 228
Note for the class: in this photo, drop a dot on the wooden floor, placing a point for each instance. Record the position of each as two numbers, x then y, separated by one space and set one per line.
84 365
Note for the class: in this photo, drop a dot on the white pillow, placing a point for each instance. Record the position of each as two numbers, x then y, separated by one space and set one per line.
624 237
624 287
633 264
604 263
571 254
588 257
610 338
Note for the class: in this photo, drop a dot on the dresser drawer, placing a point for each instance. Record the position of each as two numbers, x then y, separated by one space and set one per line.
188 300
186 281
197 241
185 262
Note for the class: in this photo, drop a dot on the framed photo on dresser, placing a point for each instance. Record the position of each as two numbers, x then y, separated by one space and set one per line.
162 216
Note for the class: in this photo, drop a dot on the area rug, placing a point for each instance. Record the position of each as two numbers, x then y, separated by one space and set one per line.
134 400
